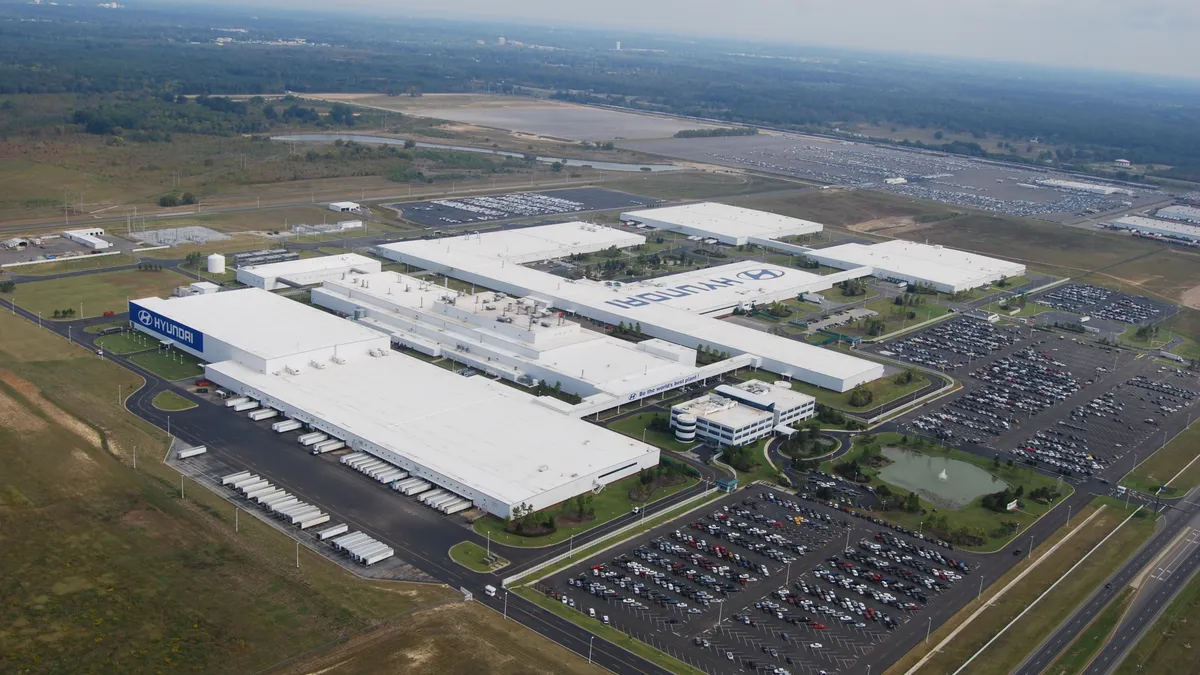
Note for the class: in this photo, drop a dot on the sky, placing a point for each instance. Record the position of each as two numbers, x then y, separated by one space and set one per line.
1153 36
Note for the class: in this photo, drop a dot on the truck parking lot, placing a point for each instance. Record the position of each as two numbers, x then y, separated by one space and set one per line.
487 208
765 581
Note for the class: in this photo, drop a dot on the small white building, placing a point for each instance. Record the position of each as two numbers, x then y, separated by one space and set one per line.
741 414
344 207
730 225
306 271
90 237
1122 163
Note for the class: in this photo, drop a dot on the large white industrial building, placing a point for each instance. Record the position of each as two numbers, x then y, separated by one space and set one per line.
742 413
493 260
90 237
1188 214
1175 229
730 225
947 270
306 271
517 339
476 438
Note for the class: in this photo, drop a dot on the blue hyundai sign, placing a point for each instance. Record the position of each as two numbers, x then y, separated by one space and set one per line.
165 327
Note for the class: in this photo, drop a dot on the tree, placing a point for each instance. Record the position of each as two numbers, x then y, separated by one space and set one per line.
556 167
912 503
938 135
7 286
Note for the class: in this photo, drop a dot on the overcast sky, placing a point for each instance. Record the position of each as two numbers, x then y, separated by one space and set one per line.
1157 36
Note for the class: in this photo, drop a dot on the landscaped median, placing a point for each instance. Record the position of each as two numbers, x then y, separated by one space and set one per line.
1169 646
978 521
1082 536
171 402
169 364
129 342
475 557
1089 643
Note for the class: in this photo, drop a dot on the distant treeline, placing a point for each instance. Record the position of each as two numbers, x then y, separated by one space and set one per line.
1080 118
719 131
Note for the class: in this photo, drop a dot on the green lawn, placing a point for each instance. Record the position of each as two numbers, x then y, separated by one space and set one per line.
973 515
634 426
88 262
170 401
608 632
613 501
896 316
95 294
1188 347
1166 463
126 343
1088 644
201 270
802 307
104 326
169 364
763 471
885 390
471 556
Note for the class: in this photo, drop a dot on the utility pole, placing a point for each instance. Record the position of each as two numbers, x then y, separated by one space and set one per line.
506 605
235 519
181 479
297 554
590 641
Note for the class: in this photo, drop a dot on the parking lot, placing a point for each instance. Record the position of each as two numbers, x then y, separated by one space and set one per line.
482 209
765 581
1106 304
1070 404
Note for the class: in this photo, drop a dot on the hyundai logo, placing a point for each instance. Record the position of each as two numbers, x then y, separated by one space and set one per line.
760 275
144 317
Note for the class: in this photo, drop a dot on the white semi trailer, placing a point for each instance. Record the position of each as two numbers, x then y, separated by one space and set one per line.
311 437
264 414
284 426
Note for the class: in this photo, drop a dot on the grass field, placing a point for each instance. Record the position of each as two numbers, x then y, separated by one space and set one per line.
1169 330
897 316
1163 465
884 390
128 342
455 638
169 364
80 264
636 426
1008 651
974 514
471 556
1170 644
114 572
170 401
612 502
97 293
267 219
1088 644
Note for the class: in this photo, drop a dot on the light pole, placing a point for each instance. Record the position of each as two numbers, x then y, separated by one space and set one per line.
980 588
788 576
590 641
928 628
506 605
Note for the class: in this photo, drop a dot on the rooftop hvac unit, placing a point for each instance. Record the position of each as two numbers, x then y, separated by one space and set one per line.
292 370
338 360
317 364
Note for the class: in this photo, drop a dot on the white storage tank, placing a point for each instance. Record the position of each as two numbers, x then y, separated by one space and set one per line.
216 264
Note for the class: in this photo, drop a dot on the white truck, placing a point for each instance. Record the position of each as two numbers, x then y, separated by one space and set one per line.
311 437
191 452
264 414
284 426
328 446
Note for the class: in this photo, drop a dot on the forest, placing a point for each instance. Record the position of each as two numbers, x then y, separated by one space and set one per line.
104 57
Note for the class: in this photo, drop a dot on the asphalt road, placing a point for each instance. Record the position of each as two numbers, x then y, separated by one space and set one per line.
1169 577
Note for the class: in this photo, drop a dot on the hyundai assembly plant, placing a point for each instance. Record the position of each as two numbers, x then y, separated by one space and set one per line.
730 225
946 269
671 308
517 339
481 440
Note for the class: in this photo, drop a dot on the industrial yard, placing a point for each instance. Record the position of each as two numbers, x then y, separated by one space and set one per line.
467 210
950 179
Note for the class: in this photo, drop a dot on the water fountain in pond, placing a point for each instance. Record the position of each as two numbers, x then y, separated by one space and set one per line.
942 476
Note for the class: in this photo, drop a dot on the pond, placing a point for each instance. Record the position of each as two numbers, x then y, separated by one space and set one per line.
948 483
384 140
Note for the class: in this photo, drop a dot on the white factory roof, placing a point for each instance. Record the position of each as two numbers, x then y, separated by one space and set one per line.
472 430
723 220
724 286
782 394
259 322
531 244
1180 213
935 264
722 410
329 264
480 256
1159 225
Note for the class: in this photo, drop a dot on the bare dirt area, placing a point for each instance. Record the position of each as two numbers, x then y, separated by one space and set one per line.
32 394
1191 297
892 225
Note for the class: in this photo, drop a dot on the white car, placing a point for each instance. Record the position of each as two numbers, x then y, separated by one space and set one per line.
816 645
